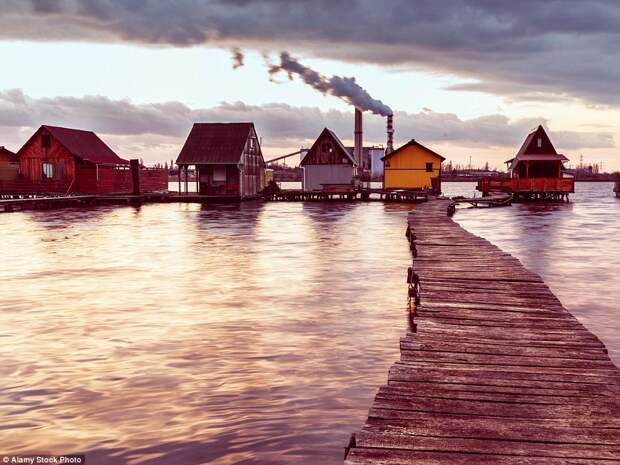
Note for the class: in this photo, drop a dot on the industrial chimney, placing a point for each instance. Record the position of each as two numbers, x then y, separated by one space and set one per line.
358 148
389 148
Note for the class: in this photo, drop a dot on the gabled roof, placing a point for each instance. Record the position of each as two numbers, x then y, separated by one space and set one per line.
532 150
82 144
221 143
413 143
540 157
338 143
530 145
5 151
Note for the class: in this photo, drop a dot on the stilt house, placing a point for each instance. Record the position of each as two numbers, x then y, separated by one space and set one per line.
537 158
412 166
327 164
536 172
227 158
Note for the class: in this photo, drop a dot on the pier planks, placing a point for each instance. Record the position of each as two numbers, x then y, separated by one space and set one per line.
496 371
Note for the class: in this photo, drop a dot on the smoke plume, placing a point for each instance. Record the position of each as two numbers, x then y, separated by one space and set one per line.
237 57
342 87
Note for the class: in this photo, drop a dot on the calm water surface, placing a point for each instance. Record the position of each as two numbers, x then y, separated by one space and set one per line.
175 334
574 247
252 334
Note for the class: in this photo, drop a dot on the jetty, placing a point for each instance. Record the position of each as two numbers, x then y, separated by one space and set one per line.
13 203
348 193
492 370
494 200
18 202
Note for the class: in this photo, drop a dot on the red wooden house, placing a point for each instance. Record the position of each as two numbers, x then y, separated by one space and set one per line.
227 158
536 171
9 165
63 160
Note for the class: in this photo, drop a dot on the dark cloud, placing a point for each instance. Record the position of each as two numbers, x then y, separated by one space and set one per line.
530 49
280 125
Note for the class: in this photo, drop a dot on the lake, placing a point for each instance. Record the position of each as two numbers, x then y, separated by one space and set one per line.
242 334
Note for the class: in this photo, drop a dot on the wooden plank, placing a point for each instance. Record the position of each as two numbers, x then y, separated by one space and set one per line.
487 428
371 456
393 440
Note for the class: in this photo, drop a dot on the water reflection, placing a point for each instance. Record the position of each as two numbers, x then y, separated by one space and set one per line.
253 333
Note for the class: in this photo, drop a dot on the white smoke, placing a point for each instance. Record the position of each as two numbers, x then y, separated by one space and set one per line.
345 88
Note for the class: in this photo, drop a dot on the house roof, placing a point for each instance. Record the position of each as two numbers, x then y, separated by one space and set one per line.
221 143
533 150
530 145
5 151
539 157
413 143
82 144
338 143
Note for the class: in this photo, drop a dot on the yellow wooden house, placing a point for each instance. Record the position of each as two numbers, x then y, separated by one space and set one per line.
412 166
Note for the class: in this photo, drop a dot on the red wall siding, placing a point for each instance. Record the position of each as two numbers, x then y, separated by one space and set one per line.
33 155
153 180
118 181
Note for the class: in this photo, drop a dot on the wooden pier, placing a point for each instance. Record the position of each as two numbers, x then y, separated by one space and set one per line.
387 195
12 203
495 200
493 370
17 202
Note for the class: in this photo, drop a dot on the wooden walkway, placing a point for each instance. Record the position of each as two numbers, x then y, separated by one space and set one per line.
493 369
386 195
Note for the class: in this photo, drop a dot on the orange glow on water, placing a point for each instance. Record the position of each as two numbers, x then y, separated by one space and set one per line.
229 334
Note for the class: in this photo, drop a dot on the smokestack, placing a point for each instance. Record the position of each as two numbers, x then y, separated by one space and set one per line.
389 148
358 149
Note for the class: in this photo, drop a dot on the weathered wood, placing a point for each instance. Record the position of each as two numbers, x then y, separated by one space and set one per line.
494 370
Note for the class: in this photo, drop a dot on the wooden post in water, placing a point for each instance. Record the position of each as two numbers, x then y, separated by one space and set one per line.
186 178
134 164
179 176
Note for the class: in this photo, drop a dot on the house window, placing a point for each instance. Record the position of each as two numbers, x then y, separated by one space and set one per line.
326 148
429 167
46 141
539 142
47 171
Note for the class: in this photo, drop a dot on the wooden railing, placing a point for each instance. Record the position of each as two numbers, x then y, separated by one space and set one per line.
514 185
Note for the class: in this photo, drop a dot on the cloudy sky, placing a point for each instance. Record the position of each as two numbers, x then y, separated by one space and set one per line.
468 78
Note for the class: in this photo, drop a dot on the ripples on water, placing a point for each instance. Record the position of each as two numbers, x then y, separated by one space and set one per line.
175 334
573 246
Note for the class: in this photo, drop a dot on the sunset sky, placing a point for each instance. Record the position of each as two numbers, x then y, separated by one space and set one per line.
467 78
